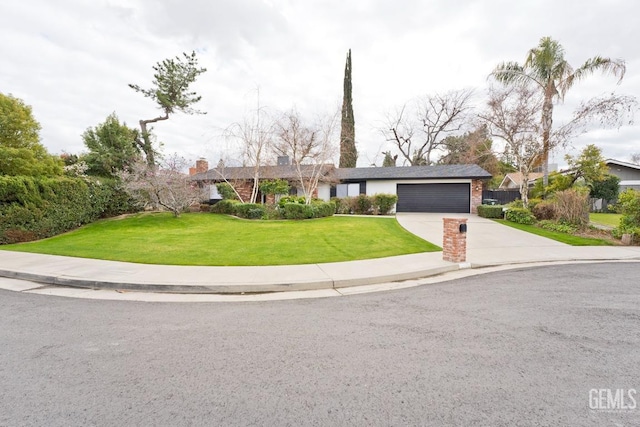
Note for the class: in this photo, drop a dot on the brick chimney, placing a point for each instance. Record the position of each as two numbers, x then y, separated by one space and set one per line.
192 171
202 166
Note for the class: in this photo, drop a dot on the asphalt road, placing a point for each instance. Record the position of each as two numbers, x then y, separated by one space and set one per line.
520 347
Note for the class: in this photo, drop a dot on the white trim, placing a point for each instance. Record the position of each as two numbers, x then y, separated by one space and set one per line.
624 164
630 182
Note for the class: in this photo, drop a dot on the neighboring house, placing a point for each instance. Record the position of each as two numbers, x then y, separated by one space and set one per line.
440 188
512 180
628 173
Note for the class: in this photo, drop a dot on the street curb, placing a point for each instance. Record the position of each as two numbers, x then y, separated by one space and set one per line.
226 288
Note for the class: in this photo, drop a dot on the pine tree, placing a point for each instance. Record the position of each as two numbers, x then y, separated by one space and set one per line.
348 151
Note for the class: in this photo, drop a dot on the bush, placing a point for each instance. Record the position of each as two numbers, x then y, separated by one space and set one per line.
520 216
34 208
629 206
226 191
517 203
383 203
572 207
291 199
363 204
297 211
345 205
544 210
225 206
248 210
490 211
323 209
339 203
557 226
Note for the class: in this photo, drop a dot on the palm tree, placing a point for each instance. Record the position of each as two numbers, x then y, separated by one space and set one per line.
546 68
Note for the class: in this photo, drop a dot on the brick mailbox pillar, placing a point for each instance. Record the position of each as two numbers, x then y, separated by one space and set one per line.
454 240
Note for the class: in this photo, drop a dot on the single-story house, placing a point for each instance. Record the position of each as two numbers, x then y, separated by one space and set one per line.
628 173
439 188
512 181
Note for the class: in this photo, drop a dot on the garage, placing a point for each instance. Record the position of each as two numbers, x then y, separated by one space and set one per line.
439 198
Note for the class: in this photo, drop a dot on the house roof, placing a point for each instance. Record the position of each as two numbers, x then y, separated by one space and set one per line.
516 178
624 164
413 172
266 172
330 172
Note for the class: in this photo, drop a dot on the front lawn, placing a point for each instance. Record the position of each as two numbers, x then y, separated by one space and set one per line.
608 219
208 239
569 239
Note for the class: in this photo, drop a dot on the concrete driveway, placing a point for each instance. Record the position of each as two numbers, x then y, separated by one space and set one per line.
490 243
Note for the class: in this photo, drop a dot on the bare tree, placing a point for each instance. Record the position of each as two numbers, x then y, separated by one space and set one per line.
419 127
255 134
310 148
162 187
512 115
635 158
610 111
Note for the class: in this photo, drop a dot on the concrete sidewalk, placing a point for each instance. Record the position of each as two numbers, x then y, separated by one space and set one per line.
98 274
488 244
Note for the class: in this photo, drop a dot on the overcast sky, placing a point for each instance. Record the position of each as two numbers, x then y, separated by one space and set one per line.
71 60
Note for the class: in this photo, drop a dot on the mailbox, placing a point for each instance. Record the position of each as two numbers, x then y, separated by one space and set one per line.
462 228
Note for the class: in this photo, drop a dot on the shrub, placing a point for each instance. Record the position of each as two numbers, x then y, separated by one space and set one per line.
572 207
35 208
271 212
363 204
517 203
338 203
490 211
345 205
323 209
520 216
291 199
384 203
248 210
533 202
544 210
629 206
225 206
557 226
226 191
297 211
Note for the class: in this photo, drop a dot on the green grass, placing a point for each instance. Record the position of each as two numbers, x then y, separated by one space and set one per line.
208 239
569 239
608 219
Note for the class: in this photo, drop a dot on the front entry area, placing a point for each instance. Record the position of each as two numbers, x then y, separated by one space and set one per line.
437 198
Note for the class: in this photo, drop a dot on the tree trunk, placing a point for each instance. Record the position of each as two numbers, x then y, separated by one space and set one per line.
547 122
146 146
524 189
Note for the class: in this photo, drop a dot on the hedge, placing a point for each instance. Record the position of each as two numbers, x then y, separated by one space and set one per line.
490 211
520 216
35 208
378 204
297 211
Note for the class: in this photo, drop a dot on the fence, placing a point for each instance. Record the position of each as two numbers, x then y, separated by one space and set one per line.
502 196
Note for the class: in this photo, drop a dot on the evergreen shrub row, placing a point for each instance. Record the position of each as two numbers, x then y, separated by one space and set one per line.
34 208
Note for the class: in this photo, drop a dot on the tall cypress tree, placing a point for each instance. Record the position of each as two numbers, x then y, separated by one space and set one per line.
348 151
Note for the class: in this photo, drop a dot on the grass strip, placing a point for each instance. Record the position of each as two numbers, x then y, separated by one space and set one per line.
569 239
